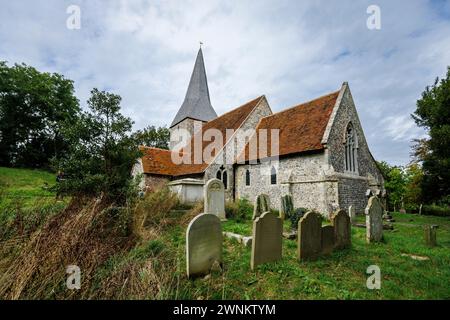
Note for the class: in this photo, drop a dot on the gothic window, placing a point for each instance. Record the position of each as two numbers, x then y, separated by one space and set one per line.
273 176
223 176
247 177
350 150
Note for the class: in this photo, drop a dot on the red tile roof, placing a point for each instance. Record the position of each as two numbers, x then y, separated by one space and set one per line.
159 161
301 127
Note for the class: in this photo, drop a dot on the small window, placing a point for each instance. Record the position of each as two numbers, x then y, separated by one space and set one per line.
273 176
247 177
219 175
225 179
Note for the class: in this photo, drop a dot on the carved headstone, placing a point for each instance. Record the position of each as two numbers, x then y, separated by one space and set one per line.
267 239
287 207
374 220
203 244
262 204
309 236
327 239
352 213
214 197
342 229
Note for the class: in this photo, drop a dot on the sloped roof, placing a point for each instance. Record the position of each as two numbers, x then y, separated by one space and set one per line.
159 161
197 104
301 127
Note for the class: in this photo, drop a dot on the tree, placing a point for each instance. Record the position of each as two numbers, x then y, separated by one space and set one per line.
153 137
413 188
33 106
395 183
433 114
102 151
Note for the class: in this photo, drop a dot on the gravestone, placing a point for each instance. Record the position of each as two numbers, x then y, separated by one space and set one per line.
262 204
327 239
214 197
287 207
203 244
402 210
374 220
267 239
342 230
420 209
309 236
352 213
430 235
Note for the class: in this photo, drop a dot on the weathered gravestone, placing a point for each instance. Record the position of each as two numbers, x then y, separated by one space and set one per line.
309 236
287 207
267 239
430 235
374 220
203 244
262 204
214 197
327 239
342 229
352 213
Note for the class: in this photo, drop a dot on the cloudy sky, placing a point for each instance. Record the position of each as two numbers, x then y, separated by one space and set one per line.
291 51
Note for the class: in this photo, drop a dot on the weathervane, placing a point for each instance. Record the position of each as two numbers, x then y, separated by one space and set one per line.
201 43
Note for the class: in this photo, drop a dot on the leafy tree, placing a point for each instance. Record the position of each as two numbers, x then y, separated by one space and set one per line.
395 183
153 137
433 114
413 188
33 106
102 151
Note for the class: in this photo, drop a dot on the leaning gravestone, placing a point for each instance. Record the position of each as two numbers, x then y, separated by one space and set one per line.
374 220
309 236
327 239
262 204
342 230
267 239
203 244
214 197
352 213
287 207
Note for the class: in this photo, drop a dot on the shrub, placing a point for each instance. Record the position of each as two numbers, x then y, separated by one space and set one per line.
435 210
239 210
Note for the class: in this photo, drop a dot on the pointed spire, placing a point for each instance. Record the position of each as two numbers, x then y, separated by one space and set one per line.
197 104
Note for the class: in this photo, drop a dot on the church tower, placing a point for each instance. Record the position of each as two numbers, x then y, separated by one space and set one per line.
196 108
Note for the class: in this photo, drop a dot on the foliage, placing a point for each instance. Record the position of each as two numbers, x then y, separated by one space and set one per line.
240 210
101 152
395 183
433 114
436 210
153 137
33 107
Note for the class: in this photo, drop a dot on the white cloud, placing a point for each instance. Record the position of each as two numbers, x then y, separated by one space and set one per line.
289 50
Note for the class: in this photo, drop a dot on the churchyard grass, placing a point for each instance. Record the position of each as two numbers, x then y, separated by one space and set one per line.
341 275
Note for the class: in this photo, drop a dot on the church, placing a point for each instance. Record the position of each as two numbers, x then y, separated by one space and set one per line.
321 157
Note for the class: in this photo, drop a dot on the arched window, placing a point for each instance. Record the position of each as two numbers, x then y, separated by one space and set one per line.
350 150
223 176
247 177
273 176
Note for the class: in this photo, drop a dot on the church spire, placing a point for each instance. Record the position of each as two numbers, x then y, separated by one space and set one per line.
197 104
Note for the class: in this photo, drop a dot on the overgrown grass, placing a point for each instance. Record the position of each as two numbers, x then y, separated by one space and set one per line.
138 252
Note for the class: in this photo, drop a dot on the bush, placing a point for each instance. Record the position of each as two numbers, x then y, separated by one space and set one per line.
239 210
435 210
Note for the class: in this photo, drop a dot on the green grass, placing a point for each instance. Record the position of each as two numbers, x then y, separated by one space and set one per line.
341 275
24 186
